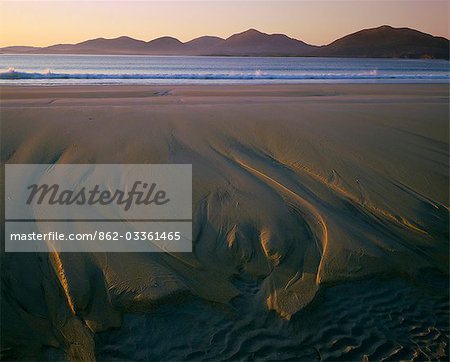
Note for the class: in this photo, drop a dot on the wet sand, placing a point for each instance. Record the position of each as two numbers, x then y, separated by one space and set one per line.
297 189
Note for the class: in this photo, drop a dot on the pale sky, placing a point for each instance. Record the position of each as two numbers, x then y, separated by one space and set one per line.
42 23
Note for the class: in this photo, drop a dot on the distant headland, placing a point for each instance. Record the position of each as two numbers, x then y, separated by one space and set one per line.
381 42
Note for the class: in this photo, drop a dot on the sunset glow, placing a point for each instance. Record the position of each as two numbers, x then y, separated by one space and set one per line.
40 23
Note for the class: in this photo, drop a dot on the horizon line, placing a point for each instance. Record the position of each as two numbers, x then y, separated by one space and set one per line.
216 36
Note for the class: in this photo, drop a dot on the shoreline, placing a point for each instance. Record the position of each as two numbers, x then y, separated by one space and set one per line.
250 83
368 88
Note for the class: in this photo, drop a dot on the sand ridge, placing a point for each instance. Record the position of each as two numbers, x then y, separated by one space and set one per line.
295 187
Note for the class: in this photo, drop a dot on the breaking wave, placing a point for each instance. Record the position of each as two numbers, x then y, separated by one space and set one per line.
12 74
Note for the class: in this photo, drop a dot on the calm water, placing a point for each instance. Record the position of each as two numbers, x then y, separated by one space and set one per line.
113 69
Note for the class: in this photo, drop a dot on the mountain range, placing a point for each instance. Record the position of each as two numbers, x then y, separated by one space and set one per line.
381 42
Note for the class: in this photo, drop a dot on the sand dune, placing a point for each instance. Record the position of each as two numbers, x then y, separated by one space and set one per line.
296 189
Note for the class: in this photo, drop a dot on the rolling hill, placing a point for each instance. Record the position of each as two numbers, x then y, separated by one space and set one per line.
381 42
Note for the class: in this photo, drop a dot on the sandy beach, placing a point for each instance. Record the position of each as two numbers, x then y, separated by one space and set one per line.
302 195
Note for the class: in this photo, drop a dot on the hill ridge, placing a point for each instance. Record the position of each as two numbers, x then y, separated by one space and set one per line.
384 41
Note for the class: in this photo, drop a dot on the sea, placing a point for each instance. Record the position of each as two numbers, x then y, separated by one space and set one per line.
47 69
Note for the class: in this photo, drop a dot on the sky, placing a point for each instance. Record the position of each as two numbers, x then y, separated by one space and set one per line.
42 23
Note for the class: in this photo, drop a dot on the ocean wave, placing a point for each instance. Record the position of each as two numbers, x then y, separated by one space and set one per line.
12 74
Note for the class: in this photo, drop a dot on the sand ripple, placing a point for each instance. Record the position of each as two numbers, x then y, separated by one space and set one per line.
295 201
